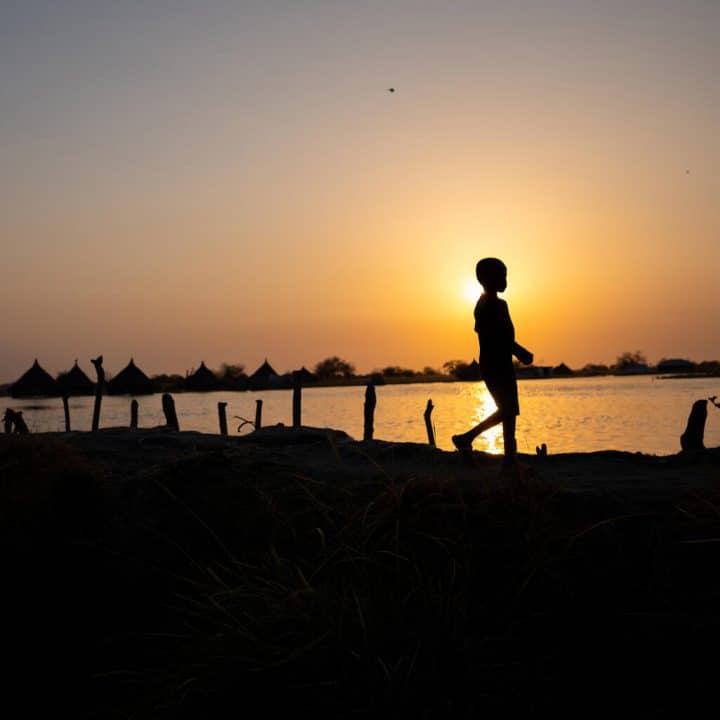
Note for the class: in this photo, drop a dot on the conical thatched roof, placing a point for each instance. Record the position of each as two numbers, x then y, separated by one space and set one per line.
306 376
202 379
562 369
263 377
36 382
131 381
76 382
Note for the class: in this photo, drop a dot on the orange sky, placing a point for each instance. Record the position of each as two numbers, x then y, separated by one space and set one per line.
222 184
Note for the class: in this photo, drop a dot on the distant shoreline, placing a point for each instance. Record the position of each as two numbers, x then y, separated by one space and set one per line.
363 380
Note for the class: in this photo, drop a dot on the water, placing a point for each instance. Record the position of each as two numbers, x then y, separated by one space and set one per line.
638 413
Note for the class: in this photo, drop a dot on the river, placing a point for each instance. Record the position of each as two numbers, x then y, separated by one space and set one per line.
636 413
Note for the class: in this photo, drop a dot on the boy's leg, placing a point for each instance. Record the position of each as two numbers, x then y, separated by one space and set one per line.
509 443
464 440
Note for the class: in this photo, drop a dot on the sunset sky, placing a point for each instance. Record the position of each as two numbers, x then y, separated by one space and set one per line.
228 181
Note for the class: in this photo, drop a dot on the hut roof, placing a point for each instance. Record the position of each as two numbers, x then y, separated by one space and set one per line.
562 369
35 382
76 382
306 376
263 377
675 364
131 380
201 379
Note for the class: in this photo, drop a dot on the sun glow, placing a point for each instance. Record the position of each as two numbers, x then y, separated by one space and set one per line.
471 290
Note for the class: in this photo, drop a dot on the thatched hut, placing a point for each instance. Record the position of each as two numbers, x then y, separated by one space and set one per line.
36 382
131 380
76 382
562 370
264 377
202 380
306 377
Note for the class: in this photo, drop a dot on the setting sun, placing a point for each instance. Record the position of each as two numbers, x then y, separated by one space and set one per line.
471 290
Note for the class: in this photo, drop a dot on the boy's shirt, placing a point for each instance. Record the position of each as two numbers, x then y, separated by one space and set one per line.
496 334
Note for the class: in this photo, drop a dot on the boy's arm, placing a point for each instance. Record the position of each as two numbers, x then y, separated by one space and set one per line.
522 354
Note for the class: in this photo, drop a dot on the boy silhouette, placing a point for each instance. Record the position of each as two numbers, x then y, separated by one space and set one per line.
496 336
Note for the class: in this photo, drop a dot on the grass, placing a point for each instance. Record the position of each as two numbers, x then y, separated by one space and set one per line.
226 579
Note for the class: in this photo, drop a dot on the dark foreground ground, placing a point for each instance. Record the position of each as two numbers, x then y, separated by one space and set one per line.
152 574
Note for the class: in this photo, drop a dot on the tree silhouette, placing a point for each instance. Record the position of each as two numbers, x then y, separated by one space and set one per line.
334 367
630 358
452 366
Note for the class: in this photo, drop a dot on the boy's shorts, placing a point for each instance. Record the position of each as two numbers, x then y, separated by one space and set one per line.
503 388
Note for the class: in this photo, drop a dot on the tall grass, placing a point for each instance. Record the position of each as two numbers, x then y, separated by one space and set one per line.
232 578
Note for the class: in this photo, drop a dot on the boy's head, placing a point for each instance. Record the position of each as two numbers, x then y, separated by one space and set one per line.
491 274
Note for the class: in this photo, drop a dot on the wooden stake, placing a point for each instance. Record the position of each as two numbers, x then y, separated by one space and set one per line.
97 362
369 411
692 438
134 414
14 422
222 417
8 421
297 399
168 406
66 408
258 414
428 423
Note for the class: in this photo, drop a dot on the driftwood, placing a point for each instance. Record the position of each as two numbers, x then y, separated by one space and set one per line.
222 417
97 362
428 423
14 422
282 435
369 412
692 438
168 406
134 414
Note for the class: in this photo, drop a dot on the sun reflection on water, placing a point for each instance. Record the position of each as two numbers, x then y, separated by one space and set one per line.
491 441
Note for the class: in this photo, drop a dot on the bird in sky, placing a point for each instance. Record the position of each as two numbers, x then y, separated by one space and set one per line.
391 89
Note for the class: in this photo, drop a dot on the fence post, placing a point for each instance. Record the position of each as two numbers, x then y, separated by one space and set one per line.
14 422
66 408
168 406
97 362
134 414
428 423
297 399
369 411
222 417
692 438
258 414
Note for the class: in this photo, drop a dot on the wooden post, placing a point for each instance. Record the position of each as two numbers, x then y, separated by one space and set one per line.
66 408
428 423
168 406
14 422
692 438
134 414
97 362
20 427
222 417
297 399
369 411
258 414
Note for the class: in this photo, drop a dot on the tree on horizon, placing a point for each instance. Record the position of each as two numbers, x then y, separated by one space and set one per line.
334 367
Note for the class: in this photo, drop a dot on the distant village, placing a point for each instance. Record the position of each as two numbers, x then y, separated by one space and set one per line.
333 371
